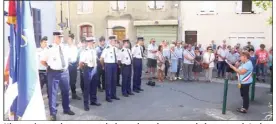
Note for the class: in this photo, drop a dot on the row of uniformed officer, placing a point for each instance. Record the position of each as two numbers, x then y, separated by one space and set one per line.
57 63
88 64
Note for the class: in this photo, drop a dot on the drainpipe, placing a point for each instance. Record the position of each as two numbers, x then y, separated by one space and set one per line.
68 15
61 28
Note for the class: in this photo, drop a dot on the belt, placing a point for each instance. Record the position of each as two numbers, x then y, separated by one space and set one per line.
42 71
137 58
126 65
52 70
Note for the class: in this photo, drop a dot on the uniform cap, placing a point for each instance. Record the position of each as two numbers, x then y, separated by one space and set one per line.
44 38
90 39
112 37
102 38
140 38
57 33
126 40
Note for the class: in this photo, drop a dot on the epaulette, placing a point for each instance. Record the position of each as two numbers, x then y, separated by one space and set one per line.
136 45
122 50
107 47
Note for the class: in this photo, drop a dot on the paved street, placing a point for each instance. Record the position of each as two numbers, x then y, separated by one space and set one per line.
173 101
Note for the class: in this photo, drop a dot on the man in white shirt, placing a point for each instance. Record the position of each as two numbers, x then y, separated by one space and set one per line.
88 62
42 68
57 63
152 62
137 52
232 58
222 52
109 63
179 54
126 61
189 57
73 65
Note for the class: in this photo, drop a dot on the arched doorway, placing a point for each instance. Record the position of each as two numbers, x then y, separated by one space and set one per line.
120 32
86 31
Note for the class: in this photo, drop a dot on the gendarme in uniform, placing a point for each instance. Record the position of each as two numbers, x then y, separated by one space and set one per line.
57 72
109 58
88 62
137 52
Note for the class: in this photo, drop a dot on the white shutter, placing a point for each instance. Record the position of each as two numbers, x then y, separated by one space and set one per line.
80 6
151 4
160 4
255 8
238 7
122 5
113 5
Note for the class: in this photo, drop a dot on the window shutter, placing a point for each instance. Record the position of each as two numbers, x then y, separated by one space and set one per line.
238 7
151 4
113 5
79 6
122 5
160 4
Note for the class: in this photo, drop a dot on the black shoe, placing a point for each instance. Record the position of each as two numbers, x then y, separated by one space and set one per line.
130 93
101 90
86 108
136 91
263 80
116 98
141 89
109 100
53 118
119 85
57 104
69 112
125 95
75 96
95 103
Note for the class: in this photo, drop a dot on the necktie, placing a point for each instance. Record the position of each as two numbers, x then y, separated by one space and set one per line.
129 57
141 51
61 57
115 55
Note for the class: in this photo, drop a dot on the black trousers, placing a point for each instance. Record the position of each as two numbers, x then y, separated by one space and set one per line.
81 80
101 78
245 95
166 69
178 67
43 79
118 75
73 71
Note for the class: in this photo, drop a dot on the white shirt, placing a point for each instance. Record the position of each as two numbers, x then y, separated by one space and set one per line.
223 53
153 48
108 54
137 52
89 56
207 59
72 53
125 56
53 59
179 52
190 55
40 54
232 58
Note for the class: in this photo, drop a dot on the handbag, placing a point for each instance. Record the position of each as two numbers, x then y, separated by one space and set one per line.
206 65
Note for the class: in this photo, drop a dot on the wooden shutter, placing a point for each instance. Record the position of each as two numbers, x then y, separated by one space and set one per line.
190 37
247 6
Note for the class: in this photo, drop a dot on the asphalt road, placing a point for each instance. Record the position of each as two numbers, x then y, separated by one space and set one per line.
172 101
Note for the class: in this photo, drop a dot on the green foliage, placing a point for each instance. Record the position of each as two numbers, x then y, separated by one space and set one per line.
265 5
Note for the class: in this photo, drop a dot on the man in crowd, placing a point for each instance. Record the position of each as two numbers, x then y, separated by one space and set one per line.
152 62
179 53
189 57
222 52
100 71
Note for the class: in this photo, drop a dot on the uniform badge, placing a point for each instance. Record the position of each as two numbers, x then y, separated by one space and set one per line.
136 45
122 50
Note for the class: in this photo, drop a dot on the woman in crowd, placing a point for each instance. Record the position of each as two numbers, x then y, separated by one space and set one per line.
208 59
166 52
160 64
173 62
197 64
244 72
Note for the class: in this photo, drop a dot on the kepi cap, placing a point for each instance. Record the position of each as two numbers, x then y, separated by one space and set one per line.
140 38
44 38
58 33
90 39
112 37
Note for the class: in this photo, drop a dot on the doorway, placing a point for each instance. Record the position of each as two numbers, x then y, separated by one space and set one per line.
119 32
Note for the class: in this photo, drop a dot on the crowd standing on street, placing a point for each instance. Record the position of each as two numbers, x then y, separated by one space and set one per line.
101 65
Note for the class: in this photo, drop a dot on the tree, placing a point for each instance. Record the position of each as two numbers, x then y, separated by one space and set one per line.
265 5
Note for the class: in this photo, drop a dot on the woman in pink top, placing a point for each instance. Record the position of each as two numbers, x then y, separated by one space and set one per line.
160 63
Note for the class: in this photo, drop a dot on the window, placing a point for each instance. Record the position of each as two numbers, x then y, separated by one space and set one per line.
86 31
156 4
207 7
37 25
118 5
247 7
85 7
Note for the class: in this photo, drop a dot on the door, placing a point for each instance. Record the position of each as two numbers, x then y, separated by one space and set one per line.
160 33
190 37
120 33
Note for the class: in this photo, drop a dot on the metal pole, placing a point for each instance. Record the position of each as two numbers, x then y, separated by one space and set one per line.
68 14
225 96
61 14
253 87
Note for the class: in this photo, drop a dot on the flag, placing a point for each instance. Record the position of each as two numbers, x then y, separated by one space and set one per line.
30 104
12 12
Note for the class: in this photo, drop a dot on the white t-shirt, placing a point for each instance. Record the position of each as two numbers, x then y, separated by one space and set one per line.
223 53
190 54
153 48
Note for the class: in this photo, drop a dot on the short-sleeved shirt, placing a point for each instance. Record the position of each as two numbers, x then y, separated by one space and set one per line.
40 54
190 54
223 53
153 48
110 54
233 58
89 57
137 52
262 56
179 52
247 77
53 57
72 53
125 56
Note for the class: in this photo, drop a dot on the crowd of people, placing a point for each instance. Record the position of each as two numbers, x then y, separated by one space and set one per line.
170 58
